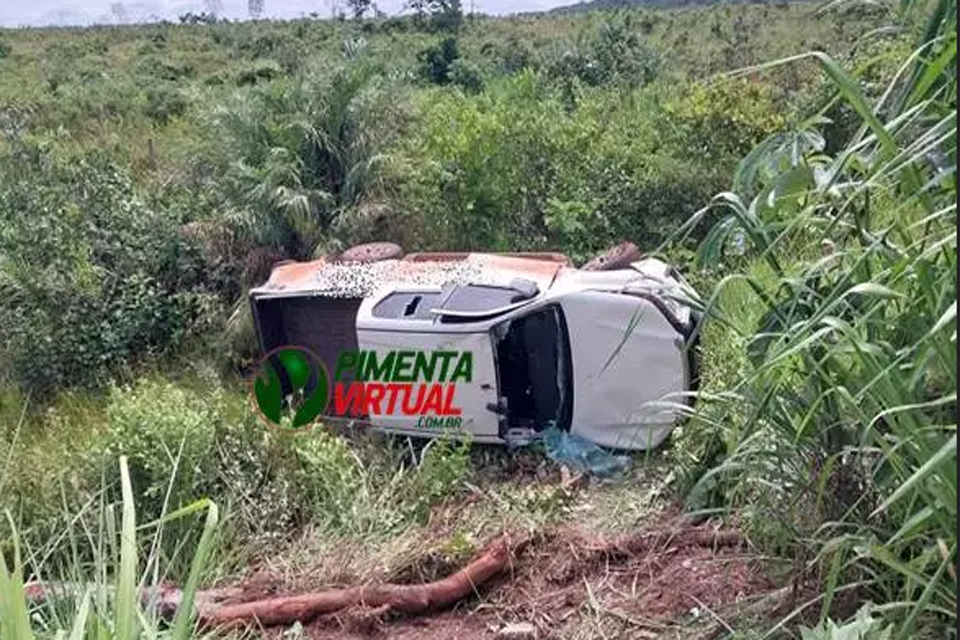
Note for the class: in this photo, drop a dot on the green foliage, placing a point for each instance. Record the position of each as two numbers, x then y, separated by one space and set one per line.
152 68
348 492
515 165
261 70
466 75
479 168
438 60
89 272
510 56
441 64
723 119
168 435
444 465
844 429
193 438
163 104
106 603
298 158
614 53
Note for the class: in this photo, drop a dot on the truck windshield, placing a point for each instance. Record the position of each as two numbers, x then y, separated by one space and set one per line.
534 370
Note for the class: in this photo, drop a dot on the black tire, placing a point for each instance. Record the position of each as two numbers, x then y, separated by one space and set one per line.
618 257
372 252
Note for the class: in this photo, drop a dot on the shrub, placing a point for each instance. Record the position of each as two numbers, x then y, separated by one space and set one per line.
444 465
437 61
510 56
723 120
168 434
152 68
88 272
466 75
297 157
260 70
515 168
613 54
477 172
164 104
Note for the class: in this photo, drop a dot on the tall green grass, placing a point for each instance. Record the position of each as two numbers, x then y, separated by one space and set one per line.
103 597
842 432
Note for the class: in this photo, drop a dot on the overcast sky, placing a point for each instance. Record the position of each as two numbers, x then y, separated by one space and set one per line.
44 12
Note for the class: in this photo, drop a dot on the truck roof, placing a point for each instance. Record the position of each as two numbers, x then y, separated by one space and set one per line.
354 280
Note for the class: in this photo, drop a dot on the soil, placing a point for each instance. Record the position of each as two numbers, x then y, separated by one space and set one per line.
643 585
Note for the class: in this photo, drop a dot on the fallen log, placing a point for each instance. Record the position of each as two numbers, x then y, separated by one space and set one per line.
405 599
219 608
678 537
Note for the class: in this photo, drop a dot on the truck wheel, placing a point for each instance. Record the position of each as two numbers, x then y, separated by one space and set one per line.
618 257
372 252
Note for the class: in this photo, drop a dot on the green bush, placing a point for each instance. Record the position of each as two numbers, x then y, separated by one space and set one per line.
515 168
466 75
437 61
444 465
260 70
44 475
510 56
152 68
724 120
168 433
615 53
89 273
164 104
476 173
298 155
193 439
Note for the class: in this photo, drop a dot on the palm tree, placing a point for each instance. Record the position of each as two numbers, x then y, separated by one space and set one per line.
299 158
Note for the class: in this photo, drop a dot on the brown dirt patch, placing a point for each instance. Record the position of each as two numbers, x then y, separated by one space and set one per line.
659 578
642 583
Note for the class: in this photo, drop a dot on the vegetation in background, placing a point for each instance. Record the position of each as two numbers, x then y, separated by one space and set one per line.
92 277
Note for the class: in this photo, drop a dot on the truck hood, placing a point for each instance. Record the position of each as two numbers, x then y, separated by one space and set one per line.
616 402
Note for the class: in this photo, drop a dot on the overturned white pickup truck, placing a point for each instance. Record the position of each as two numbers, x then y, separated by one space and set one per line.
497 345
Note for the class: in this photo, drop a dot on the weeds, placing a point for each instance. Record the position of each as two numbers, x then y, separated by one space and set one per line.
846 416
105 600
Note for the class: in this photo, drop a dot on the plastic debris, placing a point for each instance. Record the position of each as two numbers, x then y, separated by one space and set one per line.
582 455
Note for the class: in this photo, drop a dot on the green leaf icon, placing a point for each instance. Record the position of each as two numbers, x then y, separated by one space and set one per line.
300 368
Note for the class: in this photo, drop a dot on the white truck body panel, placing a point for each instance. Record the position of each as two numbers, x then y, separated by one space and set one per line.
471 398
625 363
630 372
629 375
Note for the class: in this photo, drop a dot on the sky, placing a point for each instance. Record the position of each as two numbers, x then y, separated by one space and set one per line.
14 13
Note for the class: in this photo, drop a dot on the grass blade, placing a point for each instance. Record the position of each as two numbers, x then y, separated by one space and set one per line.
125 617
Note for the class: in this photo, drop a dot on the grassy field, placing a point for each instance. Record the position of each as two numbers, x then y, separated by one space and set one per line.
149 175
